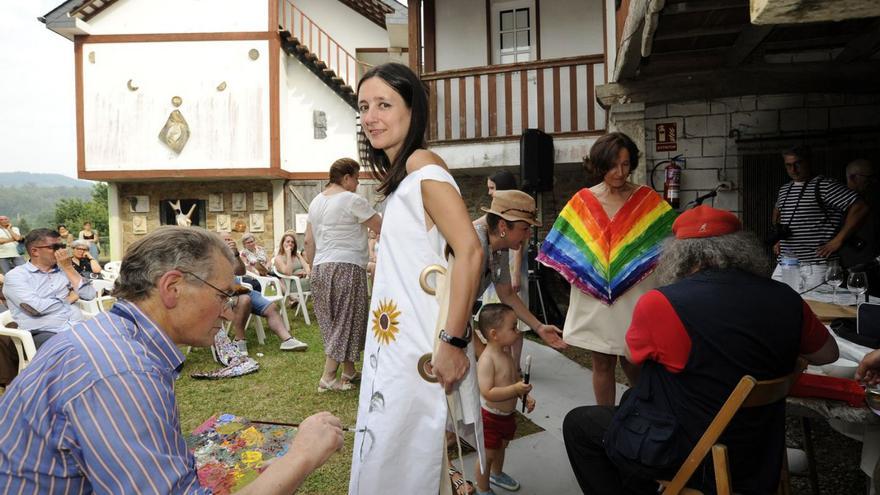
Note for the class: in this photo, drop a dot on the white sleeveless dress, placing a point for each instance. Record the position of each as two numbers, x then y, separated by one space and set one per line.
402 419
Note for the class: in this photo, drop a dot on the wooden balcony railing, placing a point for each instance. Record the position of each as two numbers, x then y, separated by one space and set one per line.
500 101
321 44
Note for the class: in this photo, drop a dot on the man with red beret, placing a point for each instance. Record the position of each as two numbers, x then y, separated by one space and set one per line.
717 316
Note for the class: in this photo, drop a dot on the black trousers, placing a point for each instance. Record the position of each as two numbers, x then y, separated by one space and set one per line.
582 430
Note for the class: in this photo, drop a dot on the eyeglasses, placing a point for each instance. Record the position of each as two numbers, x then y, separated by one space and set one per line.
80 249
533 214
229 298
53 247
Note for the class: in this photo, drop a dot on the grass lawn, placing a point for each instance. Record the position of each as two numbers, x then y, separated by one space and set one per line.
284 390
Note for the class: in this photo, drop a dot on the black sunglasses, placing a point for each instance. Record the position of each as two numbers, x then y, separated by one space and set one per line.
54 247
229 302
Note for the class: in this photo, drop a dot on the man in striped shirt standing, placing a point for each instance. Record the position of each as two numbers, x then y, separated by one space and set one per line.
817 215
96 411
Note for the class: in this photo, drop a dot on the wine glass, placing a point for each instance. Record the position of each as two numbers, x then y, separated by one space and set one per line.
858 284
806 271
834 278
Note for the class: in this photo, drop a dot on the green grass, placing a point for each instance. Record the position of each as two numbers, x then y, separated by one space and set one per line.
284 390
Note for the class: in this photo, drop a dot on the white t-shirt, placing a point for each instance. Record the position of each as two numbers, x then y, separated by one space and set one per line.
338 228
9 249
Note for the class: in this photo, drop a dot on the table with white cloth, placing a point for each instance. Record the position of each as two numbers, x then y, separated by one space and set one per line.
859 423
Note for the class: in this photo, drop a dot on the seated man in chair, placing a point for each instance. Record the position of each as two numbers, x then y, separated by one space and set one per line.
42 292
721 317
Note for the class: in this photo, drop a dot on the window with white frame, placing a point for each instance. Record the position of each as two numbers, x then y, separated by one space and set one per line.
513 29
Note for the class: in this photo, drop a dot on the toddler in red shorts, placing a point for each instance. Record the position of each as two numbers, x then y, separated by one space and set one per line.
500 387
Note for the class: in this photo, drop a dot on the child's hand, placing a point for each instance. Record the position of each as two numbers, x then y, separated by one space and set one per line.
521 388
530 403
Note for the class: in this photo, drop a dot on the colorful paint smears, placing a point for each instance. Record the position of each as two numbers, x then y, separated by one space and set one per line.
232 451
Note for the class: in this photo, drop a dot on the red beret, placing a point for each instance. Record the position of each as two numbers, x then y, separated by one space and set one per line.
704 221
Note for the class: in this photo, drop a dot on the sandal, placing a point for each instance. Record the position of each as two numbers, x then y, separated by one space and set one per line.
460 486
353 378
333 385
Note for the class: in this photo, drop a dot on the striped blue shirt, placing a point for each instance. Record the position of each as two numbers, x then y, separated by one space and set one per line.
96 412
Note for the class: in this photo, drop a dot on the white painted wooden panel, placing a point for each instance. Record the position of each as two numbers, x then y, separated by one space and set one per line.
182 16
228 129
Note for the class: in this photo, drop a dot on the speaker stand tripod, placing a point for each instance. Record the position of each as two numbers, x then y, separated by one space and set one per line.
541 302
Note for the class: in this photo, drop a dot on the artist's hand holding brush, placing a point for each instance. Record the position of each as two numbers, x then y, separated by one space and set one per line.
319 437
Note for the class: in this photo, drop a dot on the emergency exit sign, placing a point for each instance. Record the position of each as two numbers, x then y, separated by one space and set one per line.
666 136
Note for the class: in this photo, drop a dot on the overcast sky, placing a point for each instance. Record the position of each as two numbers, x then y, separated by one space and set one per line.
37 108
37 127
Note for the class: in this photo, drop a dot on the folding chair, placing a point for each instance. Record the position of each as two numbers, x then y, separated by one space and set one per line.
748 393
23 340
103 288
296 293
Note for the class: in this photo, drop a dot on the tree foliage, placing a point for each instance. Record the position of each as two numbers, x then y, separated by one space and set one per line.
74 212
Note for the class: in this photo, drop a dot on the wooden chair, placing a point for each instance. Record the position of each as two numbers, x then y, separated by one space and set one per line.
747 393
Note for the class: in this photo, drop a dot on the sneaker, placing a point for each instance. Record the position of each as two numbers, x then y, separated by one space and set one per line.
504 480
242 346
292 344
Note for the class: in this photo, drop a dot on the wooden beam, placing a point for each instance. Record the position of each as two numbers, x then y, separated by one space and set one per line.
430 29
863 77
801 11
862 46
415 35
697 6
676 34
745 44
630 54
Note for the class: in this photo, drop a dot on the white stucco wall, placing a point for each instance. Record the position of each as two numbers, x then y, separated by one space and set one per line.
461 34
568 28
182 16
301 94
228 129
571 27
344 25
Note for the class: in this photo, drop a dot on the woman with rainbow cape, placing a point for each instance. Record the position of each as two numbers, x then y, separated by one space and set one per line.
606 243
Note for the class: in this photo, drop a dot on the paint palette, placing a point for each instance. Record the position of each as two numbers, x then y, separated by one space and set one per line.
232 451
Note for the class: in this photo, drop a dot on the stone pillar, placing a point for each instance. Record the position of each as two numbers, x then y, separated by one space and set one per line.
629 118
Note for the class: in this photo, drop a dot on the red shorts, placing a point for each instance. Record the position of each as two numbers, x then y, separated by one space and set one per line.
497 428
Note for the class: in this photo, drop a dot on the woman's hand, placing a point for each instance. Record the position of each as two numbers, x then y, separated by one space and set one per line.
449 364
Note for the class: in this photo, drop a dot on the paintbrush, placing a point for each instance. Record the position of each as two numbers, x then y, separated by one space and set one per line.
526 378
295 425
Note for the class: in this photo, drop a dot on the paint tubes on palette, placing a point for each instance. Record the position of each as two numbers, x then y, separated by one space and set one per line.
526 379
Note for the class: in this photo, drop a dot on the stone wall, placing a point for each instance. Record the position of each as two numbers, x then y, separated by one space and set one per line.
164 191
714 134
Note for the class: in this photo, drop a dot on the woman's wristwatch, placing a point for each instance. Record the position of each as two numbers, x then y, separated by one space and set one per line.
460 342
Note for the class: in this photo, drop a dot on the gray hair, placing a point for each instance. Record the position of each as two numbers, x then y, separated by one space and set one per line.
740 250
79 243
167 248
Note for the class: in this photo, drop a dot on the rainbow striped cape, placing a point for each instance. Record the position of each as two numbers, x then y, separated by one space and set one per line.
602 256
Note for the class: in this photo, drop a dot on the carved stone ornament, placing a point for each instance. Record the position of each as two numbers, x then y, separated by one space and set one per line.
176 101
221 86
253 53
175 134
91 57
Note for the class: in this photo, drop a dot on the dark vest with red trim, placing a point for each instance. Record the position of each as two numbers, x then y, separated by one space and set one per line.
739 324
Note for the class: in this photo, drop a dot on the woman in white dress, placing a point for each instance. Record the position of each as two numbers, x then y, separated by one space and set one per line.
401 417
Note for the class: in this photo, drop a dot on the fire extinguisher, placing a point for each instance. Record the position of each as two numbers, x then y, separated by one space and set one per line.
672 181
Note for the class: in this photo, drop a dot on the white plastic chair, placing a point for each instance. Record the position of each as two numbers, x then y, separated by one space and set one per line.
296 293
103 288
90 309
23 340
111 270
277 298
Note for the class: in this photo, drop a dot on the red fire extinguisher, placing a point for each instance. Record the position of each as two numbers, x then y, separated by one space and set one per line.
672 184
672 181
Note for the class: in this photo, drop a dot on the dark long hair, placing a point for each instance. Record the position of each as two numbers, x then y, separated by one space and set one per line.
415 95
504 180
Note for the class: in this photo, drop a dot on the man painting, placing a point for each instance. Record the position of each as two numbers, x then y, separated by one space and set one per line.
41 293
96 410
